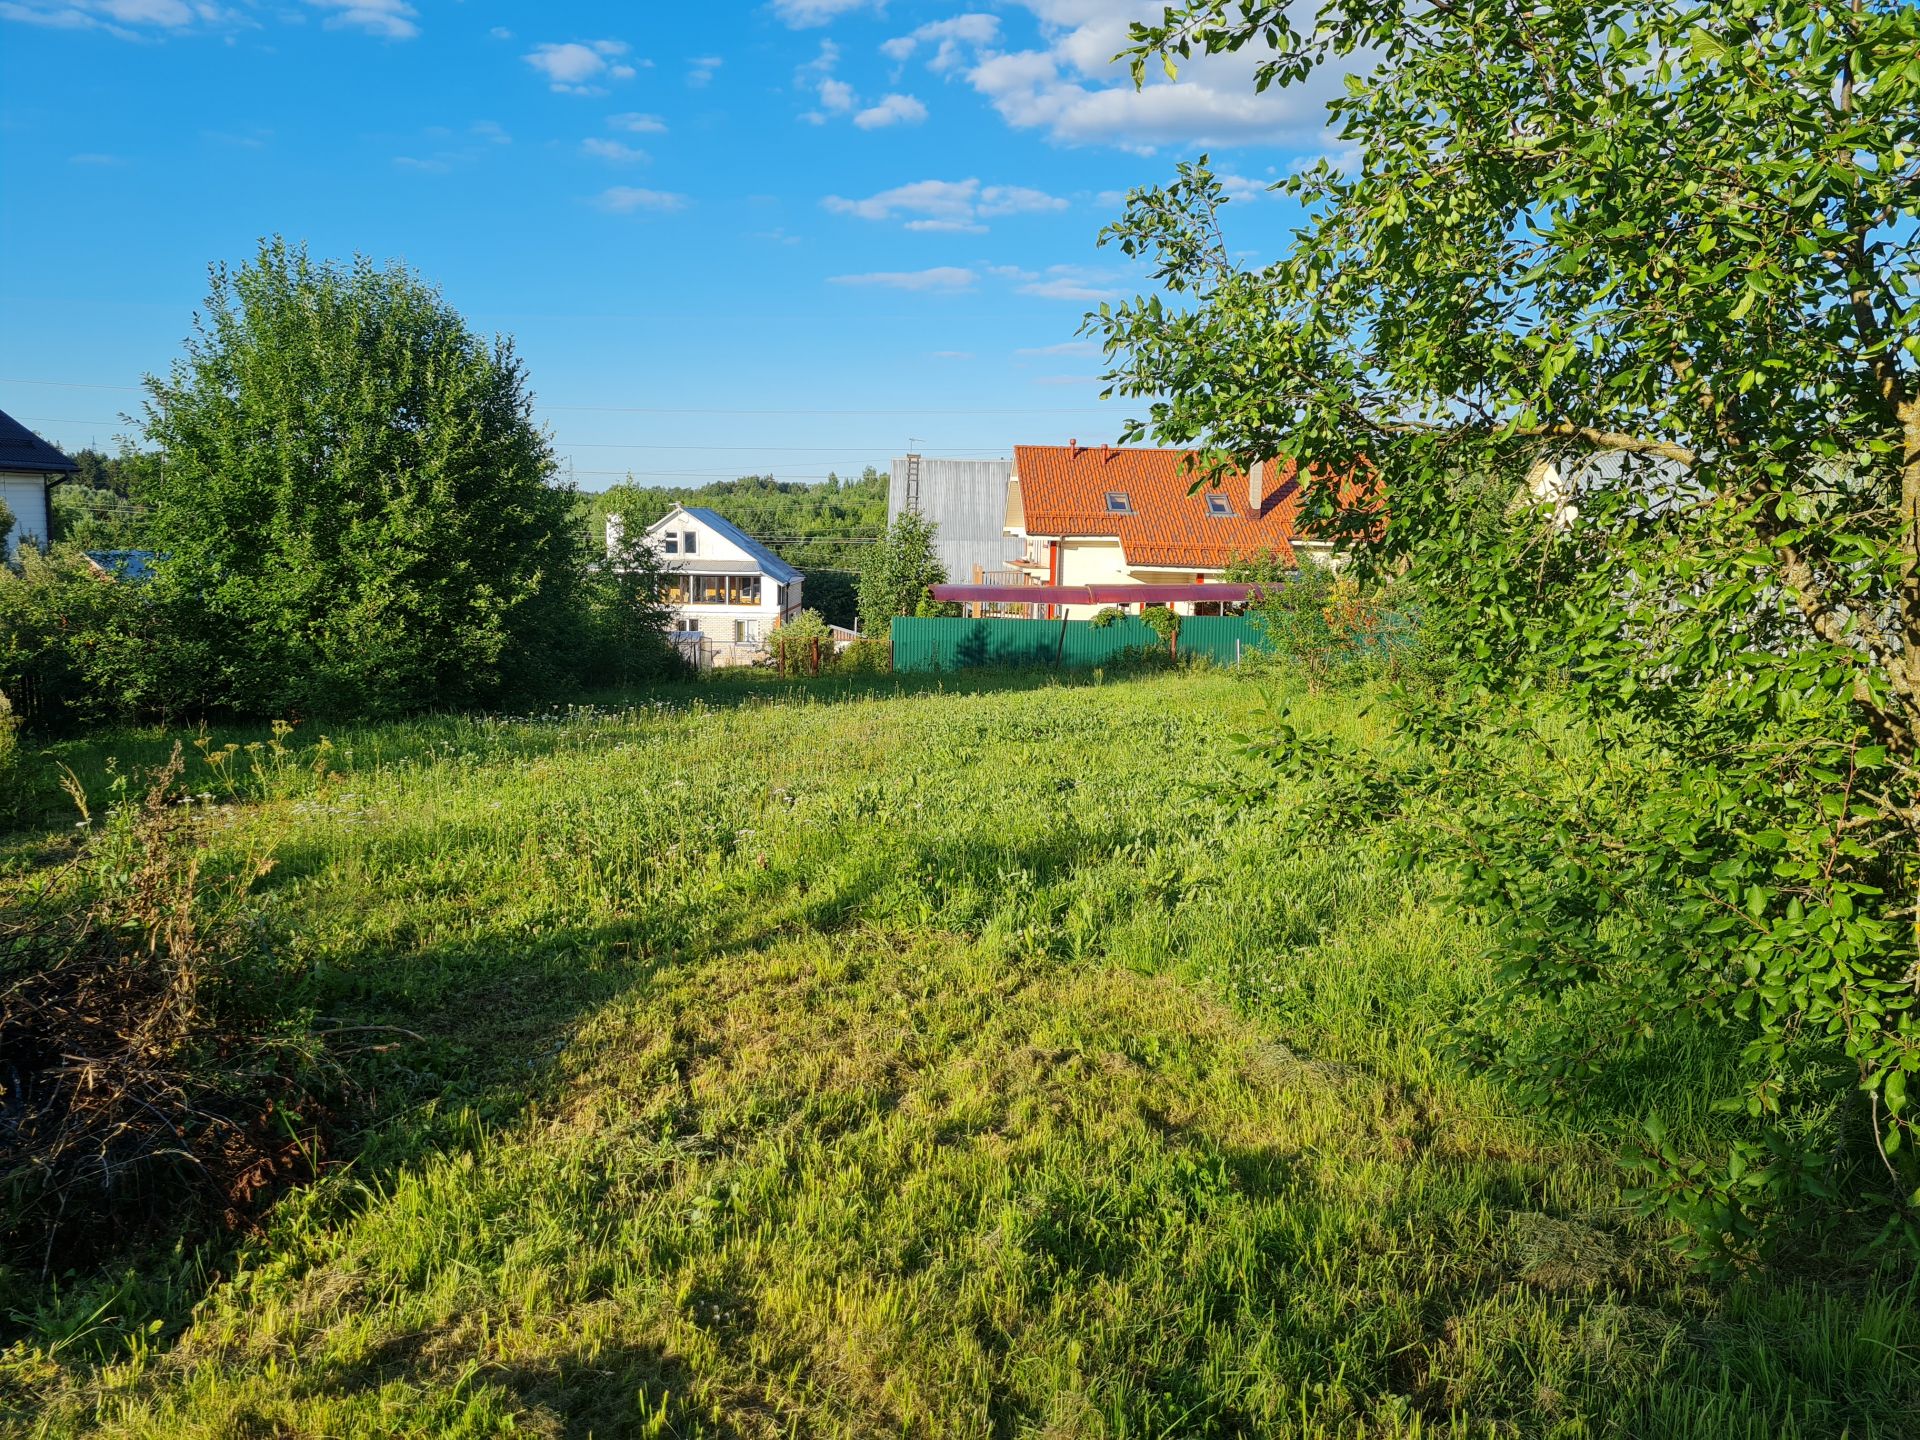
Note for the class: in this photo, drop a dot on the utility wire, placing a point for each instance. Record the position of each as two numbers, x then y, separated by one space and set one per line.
886 449
678 409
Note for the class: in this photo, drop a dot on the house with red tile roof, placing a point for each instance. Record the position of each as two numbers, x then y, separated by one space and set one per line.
1104 515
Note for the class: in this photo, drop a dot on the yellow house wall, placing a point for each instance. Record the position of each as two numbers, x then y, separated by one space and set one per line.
1104 562
1092 562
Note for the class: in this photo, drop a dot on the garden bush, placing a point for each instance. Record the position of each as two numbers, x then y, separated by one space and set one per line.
794 641
865 656
78 649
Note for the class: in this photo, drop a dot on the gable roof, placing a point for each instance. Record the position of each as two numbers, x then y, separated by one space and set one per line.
771 565
22 450
1064 488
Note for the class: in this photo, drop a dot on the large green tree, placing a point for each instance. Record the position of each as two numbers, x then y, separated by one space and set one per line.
1668 251
357 507
899 572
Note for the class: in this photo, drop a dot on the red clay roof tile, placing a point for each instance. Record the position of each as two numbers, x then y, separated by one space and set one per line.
1063 490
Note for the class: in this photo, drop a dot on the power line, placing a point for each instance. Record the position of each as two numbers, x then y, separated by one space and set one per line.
679 409
880 449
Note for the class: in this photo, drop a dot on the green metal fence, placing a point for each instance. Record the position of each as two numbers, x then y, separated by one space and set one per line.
942 644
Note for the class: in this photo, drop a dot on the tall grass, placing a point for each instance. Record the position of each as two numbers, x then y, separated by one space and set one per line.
883 1058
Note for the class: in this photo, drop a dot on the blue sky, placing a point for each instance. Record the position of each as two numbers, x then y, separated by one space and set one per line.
779 237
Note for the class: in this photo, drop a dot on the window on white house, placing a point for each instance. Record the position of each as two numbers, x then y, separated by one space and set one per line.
670 543
1218 504
687 538
1118 503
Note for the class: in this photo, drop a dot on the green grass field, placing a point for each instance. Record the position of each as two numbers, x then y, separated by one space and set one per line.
908 1061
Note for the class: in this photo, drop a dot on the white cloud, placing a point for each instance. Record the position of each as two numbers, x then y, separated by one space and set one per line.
946 204
1070 282
447 150
500 32
1067 347
1060 282
391 18
805 14
635 123
612 150
836 96
700 70
1068 86
126 19
940 277
628 199
893 110
1240 187
950 39
577 68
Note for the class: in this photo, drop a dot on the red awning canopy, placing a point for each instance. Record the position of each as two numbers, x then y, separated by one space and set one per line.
1092 594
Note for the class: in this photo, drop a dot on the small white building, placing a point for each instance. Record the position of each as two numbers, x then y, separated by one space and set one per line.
29 469
727 591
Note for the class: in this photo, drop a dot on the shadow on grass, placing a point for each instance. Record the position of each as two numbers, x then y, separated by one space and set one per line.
39 798
438 1050
620 1389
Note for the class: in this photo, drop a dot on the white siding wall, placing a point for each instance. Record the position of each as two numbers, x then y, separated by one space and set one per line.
26 497
719 624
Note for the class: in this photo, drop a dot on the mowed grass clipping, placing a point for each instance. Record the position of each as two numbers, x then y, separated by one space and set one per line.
917 1063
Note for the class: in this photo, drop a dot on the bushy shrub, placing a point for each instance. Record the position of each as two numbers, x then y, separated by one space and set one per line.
9 737
622 637
1105 616
77 648
1323 625
794 641
1164 621
865 656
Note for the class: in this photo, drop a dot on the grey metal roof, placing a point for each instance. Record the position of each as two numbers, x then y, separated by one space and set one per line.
770 564
967 502
136 567
22 450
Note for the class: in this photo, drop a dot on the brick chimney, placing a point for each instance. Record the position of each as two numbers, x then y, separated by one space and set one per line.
1256 485
1073 449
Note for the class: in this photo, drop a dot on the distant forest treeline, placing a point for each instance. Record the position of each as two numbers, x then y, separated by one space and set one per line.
826 525
823 525
826 528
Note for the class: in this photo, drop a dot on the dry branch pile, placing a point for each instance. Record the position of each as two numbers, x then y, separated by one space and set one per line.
146 1062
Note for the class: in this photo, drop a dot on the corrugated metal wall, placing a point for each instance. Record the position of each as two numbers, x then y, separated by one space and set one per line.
1069 644
967 499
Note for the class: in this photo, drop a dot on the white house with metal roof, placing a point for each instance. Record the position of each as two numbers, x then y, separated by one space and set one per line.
29 469
727 591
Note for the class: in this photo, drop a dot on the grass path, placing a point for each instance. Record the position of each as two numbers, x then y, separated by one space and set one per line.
918 1065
